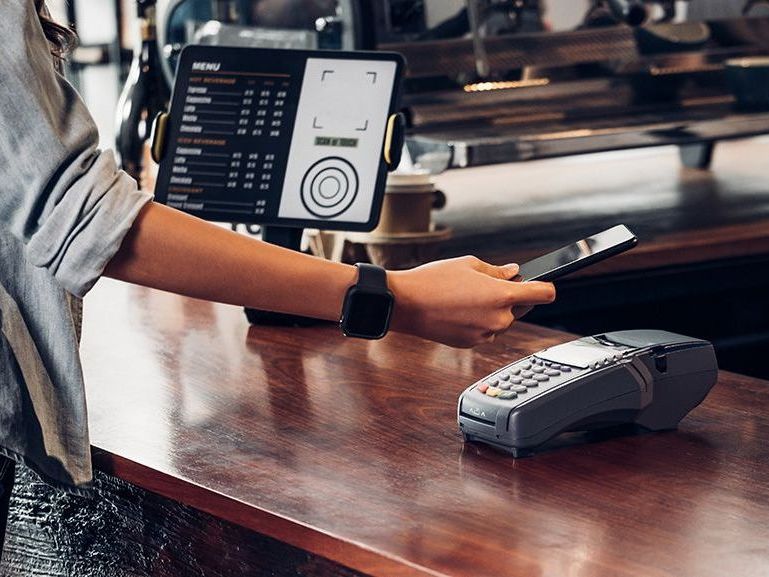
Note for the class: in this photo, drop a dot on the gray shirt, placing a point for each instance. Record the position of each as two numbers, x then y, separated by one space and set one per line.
64 210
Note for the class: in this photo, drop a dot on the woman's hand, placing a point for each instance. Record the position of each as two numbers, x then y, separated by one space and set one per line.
462 302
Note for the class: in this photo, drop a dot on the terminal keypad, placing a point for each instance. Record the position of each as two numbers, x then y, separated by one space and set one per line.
525 378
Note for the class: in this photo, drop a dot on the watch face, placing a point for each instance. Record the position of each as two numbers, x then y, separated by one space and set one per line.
367 314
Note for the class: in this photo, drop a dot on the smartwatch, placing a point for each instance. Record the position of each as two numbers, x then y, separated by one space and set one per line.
368 304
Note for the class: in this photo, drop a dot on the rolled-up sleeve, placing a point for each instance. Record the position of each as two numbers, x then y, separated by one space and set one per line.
66 200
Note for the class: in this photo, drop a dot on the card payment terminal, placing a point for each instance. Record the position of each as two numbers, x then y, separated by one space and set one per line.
644 377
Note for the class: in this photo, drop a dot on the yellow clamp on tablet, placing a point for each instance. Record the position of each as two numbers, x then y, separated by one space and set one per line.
158 137
395 135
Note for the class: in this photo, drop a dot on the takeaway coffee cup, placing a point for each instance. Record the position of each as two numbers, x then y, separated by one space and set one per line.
408 202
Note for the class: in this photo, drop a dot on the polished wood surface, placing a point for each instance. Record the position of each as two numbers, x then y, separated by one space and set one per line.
511 213
350 450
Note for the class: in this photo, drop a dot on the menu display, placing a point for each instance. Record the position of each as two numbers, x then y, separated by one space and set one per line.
279 137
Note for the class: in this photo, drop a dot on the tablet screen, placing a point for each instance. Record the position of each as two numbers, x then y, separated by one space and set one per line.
282 137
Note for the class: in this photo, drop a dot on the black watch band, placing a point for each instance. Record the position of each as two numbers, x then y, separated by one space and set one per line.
368 304
371 277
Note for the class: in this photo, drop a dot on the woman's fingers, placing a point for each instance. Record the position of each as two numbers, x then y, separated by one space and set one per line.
504 272
530 293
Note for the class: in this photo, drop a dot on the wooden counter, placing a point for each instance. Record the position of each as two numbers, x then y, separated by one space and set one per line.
350 450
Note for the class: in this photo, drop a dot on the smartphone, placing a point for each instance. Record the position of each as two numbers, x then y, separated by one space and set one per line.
578 255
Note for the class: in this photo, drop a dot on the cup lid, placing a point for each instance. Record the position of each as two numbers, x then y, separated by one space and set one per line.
409 179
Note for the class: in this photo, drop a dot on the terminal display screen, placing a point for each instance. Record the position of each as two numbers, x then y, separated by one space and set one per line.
280 137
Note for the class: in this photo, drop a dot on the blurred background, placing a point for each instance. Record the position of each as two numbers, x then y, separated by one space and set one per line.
110 31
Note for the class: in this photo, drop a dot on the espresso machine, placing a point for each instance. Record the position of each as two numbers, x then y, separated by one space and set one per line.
573 77
298 24
493 81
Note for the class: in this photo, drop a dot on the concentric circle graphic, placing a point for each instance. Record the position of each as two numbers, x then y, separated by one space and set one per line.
329 187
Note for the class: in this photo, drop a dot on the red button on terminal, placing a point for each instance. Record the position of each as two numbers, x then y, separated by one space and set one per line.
483 387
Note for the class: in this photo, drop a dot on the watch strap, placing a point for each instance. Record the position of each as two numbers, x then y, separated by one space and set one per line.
372 277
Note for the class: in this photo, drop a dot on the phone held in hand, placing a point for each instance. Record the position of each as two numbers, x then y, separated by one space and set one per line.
578 255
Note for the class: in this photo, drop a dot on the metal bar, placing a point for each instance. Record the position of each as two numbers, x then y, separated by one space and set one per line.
497 147
456 57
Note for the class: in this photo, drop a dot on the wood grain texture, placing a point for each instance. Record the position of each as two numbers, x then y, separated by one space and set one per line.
350 450
129 532
513 212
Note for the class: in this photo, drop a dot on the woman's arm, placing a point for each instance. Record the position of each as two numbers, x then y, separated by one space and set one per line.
172 251
461 302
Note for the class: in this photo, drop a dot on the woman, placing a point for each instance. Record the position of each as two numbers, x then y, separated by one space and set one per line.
69 216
